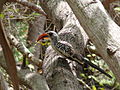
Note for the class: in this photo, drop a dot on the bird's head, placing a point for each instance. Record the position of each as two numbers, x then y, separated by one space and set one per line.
48 35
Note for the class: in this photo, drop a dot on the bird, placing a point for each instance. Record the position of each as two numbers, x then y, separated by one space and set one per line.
66 50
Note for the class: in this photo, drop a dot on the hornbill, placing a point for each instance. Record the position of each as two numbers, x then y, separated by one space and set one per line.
66 50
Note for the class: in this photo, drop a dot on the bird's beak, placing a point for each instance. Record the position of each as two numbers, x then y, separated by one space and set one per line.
42 36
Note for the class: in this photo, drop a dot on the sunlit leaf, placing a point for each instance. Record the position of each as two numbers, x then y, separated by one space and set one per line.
92 47
88 55
94 87
11 16
36 14
101 89
94 55
82 75
2 16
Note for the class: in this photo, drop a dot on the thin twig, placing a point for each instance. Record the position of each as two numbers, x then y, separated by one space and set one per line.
32 6
80 80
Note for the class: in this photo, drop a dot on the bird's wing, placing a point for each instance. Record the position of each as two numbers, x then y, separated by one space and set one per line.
66 50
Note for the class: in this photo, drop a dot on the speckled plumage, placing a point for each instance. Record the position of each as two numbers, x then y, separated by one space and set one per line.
66 50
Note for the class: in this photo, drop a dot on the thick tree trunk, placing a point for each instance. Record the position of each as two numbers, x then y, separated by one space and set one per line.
58 73
56 69
101 29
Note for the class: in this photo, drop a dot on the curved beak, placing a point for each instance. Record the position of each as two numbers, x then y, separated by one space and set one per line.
42 36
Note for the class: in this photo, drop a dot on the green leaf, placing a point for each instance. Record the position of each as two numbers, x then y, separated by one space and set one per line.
82 75
94 87
36 14
11 16
94 55
2 16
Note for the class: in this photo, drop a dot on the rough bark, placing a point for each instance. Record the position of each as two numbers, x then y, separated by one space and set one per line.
69 30
3 83
101 30
58 73
33 80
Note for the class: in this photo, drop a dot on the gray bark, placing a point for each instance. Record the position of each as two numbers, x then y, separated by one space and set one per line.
33 80
57 71
101 29
3 83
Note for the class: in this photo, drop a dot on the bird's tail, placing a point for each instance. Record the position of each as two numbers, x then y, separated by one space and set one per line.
96 67
85 60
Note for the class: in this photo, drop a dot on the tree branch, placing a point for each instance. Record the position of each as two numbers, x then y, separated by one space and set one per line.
21 48
30 5
32 80
70 31
102 31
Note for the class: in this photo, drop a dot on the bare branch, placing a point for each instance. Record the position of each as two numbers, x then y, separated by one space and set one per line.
21 47
30 5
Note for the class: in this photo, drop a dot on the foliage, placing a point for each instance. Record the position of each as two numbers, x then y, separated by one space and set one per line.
16 18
